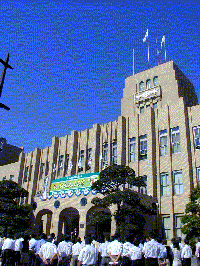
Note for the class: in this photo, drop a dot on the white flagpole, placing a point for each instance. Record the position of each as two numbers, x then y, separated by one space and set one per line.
165 52
148 51
157 50
133 63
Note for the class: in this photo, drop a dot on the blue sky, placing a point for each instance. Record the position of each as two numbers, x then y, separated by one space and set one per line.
71 58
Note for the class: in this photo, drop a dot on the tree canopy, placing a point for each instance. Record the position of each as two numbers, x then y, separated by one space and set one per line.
13 217
112 184
191 219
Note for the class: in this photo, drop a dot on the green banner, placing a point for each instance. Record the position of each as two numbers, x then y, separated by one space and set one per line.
73 184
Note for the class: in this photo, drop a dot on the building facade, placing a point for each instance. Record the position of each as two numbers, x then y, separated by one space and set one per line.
157 134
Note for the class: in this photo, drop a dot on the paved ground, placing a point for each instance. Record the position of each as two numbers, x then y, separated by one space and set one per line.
194 261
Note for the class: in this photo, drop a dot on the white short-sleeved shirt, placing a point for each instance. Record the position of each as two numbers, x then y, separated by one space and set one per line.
135 253
115 247
88 255
126 250
76 249
197 249
151 249
186 252
48 250
8 244
18 245
103 249
65 248
32 243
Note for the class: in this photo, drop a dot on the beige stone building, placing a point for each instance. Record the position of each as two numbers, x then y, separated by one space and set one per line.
157 134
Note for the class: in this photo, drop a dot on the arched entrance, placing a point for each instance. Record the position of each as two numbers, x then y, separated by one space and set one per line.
68 221
43 222
98 222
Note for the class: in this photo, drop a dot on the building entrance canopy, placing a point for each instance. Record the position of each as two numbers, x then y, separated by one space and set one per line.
73 185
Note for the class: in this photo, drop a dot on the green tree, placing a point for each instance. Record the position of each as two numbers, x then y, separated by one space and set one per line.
112 184
191 219
13 217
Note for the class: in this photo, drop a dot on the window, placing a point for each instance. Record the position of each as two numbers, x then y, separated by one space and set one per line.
142 88
105 155
155 105
30 171
163 142
41 170
81 161
141 109
26 174
143 190
175 139
114 152
178 226
143 147
11 177
60 164
148 105
148 84
178 183
198 176
47 168
155 81
66 164
132 144
164 183
89 158
196 132
166 225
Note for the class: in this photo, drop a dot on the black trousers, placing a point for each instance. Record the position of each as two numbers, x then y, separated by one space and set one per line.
186 262
151 262
138 262
8 257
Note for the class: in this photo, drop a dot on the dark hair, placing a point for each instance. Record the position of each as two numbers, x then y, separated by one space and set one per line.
43 236
67 237
88 240
186 241
176 244
78 240
33 235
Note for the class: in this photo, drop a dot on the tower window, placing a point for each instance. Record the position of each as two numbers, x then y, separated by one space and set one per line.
132 144
148 84
114 152
155 81
142 88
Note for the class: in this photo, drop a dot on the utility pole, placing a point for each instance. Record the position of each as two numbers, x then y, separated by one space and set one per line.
6 65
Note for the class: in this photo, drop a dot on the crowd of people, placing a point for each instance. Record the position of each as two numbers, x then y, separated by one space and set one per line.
72 251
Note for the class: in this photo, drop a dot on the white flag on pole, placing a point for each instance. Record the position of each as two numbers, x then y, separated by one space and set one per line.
70 166
79 163
90 161
163 41
146 36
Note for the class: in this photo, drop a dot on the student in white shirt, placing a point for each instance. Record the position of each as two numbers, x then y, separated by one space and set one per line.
151 250
48 253
65 251
8 251
103 250
88 255
197 252
115 250
76 249
186 254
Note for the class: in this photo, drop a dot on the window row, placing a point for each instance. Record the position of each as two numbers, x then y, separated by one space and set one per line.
177 183
148 85
177 224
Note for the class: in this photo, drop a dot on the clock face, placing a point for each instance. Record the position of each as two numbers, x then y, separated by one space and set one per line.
83 201
57 204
